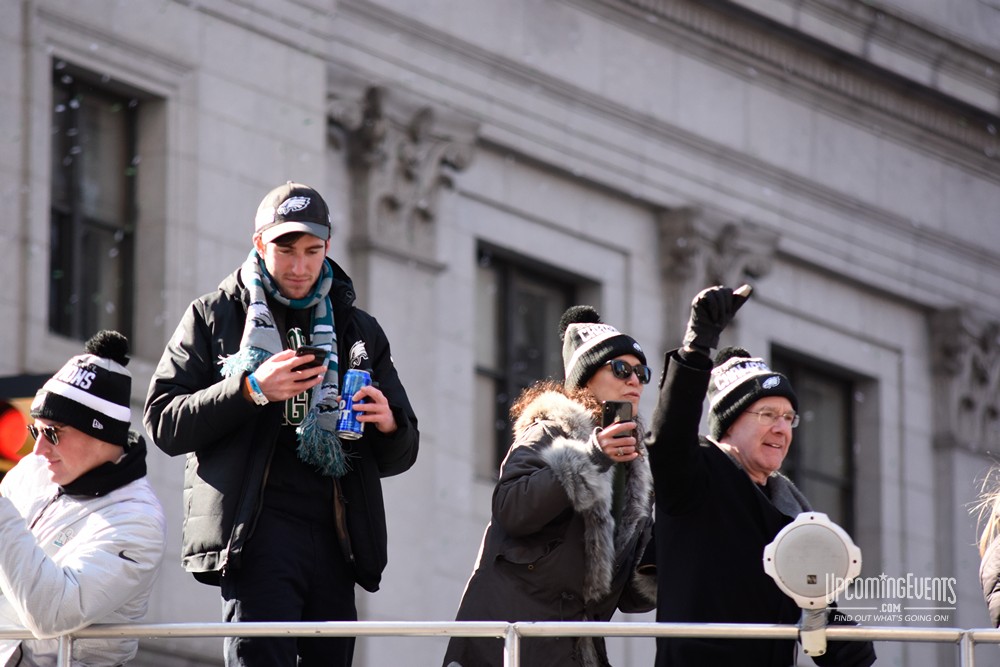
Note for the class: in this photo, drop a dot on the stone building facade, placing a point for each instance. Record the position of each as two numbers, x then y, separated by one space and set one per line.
489 163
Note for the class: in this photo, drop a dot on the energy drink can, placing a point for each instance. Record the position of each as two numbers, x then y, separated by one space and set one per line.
348 426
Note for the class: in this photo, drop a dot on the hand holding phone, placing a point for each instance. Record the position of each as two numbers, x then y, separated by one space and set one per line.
613 412
318 352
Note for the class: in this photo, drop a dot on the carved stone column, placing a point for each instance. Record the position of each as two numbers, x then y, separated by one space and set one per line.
402 154
699 249
966 366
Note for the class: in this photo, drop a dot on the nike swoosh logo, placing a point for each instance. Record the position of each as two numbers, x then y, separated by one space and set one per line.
121 554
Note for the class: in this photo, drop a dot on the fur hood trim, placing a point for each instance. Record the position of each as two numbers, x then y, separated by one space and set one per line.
571 456
567 415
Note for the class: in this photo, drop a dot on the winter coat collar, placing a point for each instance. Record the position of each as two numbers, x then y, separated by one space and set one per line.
341 292
785 496
107 477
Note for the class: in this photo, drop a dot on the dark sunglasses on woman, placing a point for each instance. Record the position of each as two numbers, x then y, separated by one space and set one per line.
623 371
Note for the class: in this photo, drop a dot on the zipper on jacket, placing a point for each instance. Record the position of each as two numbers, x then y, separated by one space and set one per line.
233 555
47 505
340 522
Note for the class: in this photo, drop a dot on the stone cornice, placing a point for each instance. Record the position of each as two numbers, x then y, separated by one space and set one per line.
888 38
928 81
560 92
925 118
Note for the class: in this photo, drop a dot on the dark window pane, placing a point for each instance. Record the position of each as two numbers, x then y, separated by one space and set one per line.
93 206
518 309
820 460
536 309
826 412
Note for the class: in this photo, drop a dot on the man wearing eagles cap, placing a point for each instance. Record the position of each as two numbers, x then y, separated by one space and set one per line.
279 511
81 531
720 498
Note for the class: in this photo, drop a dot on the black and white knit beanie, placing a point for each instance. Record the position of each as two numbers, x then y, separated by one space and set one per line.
588 343
92 391
738 381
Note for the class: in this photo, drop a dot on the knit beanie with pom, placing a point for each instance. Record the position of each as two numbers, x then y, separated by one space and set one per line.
92 392
588 343
738 381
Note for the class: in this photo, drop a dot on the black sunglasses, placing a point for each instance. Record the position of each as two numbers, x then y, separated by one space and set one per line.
51 433
623 371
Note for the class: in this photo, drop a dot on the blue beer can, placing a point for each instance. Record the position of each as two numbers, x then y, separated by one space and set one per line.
348 426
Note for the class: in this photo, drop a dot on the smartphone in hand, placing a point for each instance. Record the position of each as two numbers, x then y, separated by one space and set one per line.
319 352
615 411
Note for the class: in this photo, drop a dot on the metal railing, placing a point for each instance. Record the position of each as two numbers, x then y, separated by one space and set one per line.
512 633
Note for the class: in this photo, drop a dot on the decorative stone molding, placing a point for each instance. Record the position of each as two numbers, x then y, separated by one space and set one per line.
401 154
966 367
710 250
699 249
941 87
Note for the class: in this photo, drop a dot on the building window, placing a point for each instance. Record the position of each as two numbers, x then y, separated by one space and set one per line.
94 166
821 458
518 307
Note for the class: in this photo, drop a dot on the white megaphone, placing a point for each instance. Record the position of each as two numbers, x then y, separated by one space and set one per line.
812 560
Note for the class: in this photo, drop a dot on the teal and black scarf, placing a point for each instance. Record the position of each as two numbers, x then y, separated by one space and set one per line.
318 441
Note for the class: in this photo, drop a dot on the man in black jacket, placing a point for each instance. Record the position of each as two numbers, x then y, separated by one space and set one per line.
281 512
720 498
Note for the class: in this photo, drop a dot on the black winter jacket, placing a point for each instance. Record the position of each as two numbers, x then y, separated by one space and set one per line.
712 524
192 409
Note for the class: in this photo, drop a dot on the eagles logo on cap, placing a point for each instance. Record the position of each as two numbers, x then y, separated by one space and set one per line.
292 207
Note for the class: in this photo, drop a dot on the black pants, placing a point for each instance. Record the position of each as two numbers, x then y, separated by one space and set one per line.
292 570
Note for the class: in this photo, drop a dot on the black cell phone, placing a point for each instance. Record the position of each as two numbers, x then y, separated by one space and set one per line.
311 349
615 411
619 411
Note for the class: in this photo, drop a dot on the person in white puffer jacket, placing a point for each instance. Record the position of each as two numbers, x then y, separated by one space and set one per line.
81 532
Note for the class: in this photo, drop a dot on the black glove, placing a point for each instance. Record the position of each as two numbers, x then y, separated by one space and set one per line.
711 310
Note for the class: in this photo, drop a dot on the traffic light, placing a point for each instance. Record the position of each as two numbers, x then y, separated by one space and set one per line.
16 394
15 441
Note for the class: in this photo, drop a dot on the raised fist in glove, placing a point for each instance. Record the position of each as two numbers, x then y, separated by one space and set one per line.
711 310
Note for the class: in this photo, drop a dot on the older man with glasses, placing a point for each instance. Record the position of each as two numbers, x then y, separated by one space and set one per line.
720 498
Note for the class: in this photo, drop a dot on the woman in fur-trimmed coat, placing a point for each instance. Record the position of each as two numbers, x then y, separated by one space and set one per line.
571 511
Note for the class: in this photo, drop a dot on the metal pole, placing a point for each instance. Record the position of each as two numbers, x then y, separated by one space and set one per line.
967 650
65 656
512 647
